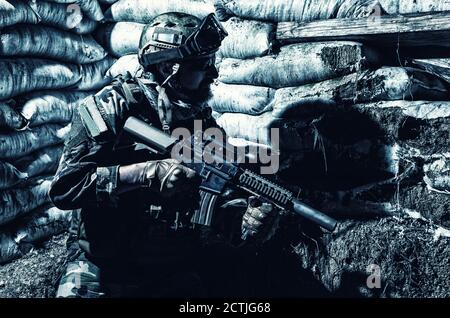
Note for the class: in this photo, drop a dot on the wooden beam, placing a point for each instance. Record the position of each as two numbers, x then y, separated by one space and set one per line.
416 30
438 67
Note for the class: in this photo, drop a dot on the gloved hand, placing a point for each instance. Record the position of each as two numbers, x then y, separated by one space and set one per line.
167 177
260 221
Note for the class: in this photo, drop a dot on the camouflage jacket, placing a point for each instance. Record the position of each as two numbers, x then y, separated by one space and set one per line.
108 225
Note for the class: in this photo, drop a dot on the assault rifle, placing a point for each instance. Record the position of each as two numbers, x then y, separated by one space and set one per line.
220 175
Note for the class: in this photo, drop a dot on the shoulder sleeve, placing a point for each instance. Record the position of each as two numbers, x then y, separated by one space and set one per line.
80 180
104 113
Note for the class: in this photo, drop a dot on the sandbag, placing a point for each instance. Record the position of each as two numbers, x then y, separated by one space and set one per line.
416 6
285 135
10 119
387 83
5 6
47 42
22 75
397 83
246 39
22 143
93 75
143 11
59 15
120 38
9 249
43 223
42 162
49 106
25 75
437 175
296 64
19 201
252 128
91 8
127 63
85 26
252 100
295 10
10 175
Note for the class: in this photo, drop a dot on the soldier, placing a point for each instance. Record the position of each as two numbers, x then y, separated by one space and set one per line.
125 238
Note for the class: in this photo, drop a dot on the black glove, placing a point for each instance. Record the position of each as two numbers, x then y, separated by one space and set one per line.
260 221
167 177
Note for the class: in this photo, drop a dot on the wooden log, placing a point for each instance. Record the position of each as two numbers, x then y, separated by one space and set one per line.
439 67
408 30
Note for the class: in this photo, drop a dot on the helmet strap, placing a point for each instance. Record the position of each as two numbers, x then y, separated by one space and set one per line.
164 109
175 69
164 104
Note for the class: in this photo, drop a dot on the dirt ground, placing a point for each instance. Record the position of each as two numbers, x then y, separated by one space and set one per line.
35 275
413 262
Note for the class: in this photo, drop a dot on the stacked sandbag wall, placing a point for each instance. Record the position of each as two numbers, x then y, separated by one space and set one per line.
361 138
49 62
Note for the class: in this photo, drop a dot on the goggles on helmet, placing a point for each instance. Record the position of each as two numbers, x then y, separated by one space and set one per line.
205 40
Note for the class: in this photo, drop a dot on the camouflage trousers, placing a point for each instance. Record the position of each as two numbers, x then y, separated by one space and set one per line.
81 279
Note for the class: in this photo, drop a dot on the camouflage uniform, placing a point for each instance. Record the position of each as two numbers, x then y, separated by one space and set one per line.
120 242
80 280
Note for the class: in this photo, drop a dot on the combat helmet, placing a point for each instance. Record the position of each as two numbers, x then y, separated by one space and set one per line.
175 36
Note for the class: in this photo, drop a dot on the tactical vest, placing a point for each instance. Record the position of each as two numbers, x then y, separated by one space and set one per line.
144 107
